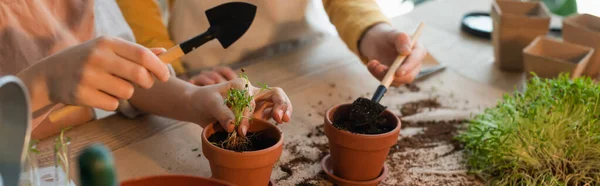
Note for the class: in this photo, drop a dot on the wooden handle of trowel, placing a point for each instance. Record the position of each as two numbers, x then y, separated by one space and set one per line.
389 76
171 55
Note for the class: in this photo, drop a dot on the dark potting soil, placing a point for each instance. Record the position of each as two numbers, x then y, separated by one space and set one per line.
257 141
412 88
434 132
364 118
412 108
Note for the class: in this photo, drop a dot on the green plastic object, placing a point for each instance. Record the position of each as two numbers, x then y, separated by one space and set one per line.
96 167
562 7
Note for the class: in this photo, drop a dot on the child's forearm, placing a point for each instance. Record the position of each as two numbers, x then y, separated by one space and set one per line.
170 99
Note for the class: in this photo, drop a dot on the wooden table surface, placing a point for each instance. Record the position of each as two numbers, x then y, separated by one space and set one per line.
153 145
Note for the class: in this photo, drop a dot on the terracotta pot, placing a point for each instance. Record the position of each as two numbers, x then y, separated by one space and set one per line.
516 24
358 157
584 30
549 57
251 168
179 180
326 166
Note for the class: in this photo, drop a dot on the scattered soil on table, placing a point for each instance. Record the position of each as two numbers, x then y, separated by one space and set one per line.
257 141
332 85
412 108
425 154
330 94
412 87
317 132
363 118
430 157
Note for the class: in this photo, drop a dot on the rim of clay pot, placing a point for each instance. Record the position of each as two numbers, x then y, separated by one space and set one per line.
344 138
151 179
245 153
386 111
326 166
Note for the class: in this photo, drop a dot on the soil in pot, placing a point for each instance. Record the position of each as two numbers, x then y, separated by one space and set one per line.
364 118
254 141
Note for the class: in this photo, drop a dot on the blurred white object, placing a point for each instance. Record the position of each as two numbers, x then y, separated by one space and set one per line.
15 131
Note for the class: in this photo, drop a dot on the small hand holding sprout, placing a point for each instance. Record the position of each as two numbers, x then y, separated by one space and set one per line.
236 102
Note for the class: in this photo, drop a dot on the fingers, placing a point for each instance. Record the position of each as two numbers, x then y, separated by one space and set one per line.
201 80
377 69
130 71
114 86
216 77
212 77
226 72
263 110
282 107
413 60
408 78
245 123
141 56
94 98
221 112
402 42
157 51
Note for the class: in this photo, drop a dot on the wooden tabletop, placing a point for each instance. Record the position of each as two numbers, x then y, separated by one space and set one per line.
153 145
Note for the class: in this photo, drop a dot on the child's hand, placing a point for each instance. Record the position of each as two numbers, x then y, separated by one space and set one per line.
381 44
96 73
210 101
215 76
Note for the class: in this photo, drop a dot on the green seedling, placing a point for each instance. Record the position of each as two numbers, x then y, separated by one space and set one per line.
239 101
61 153
547 135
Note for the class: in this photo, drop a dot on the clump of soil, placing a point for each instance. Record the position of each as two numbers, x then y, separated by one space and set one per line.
412 108
317 132
412 87
257 141
434 132
364 118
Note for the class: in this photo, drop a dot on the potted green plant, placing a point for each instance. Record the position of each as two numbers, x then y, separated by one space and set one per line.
242 160
358 149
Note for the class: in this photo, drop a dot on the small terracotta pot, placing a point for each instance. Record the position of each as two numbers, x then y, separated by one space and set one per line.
252 168
326 166
358 157
516 24
549 57
584 29
179 180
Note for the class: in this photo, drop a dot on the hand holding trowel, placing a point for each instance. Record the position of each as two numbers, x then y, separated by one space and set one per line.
365 111
228 22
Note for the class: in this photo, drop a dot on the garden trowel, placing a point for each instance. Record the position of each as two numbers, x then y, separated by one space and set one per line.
228 22
363 110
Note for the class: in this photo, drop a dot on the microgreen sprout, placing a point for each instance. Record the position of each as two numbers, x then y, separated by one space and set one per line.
547 135
238 101
61 153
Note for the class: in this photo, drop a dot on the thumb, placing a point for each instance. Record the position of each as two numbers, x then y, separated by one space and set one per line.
402 42
158 51
223 114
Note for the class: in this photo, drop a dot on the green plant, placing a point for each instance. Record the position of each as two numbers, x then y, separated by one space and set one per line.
61 154
239 101
547 135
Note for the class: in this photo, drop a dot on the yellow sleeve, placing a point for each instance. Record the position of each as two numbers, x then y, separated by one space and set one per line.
352 18
143 16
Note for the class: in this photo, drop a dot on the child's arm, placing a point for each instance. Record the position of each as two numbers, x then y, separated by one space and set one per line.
181 100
